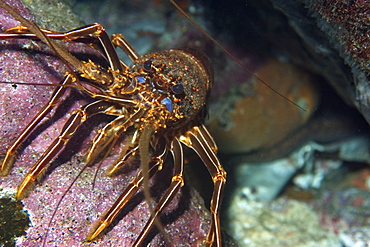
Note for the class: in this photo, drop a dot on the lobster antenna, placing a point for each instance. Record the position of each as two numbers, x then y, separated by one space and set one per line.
230 55
41 84
59 51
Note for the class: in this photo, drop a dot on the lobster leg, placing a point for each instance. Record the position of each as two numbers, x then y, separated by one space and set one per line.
155 165
176 183
197 139
109 134
54 100
72 124
121 42
93 35
126 154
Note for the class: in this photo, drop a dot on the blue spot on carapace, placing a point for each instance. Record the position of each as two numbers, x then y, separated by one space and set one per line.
168 103
140 79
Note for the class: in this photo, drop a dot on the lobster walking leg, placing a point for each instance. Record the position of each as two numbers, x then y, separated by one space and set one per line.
155 165
54 99
197 140
77 118
176 183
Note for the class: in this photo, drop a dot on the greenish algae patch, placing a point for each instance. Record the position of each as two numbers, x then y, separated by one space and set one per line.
13 221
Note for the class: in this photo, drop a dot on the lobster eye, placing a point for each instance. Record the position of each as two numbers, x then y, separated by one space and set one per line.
177 89
147 65
159 83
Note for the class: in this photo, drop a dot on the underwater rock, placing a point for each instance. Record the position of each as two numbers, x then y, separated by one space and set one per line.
279 223
303 167
299 33
334 136
13 221
344 208
250 116
359 236
333 41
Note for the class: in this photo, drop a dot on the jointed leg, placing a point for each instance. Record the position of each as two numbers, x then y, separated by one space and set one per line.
109 133
54 100
121 42
93 35
198 139
155 164
176 183
70 127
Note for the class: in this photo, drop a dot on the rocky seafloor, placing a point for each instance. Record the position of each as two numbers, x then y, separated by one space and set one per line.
295 178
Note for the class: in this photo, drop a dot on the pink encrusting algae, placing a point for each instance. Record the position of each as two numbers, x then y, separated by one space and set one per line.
186 219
